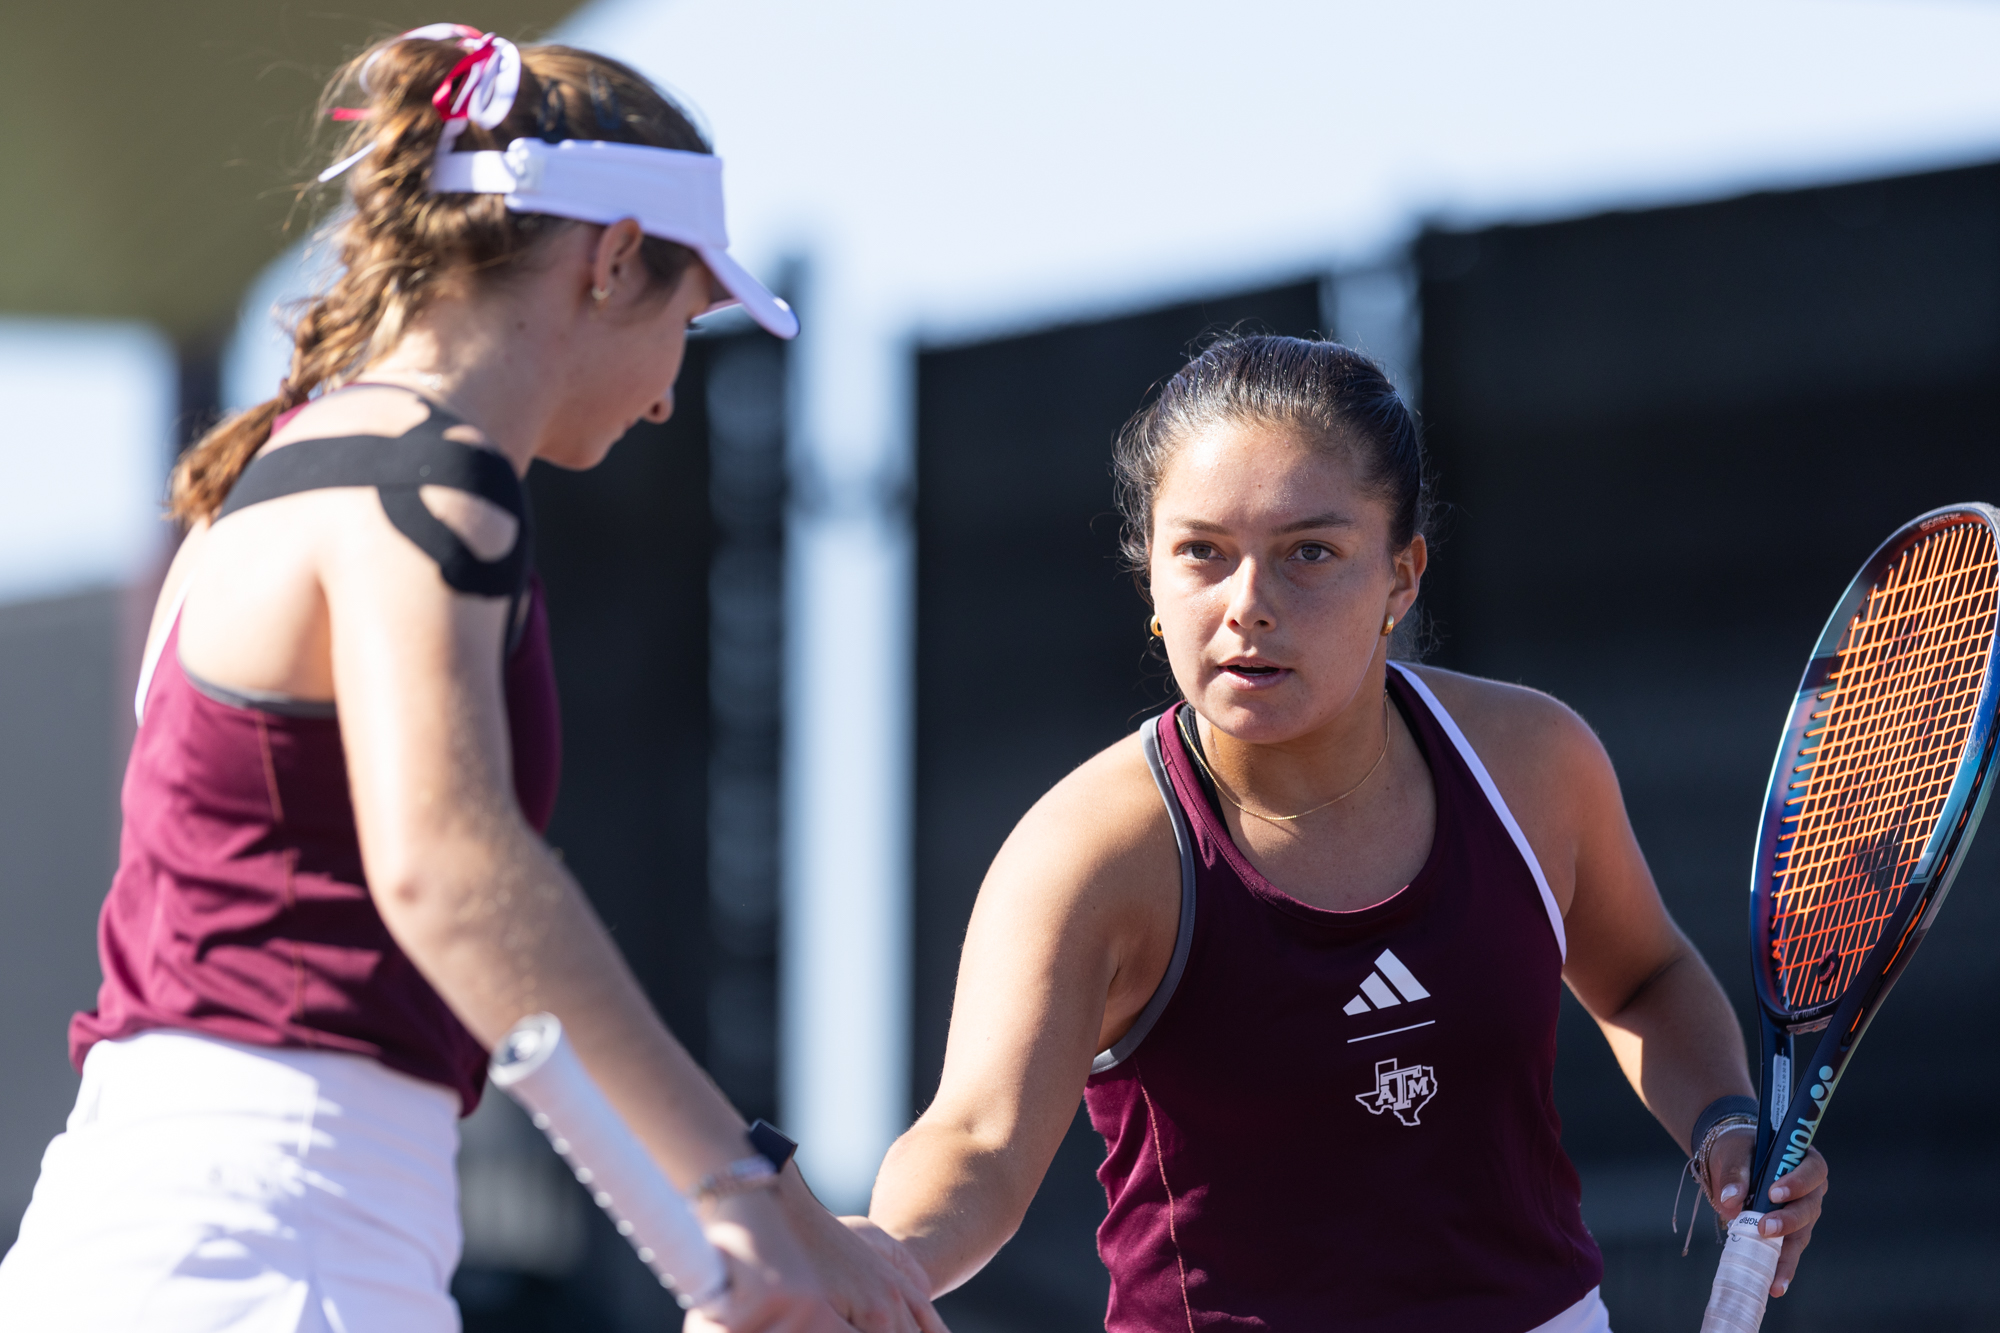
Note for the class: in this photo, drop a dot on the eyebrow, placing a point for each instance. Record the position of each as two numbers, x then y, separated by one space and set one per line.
1330 519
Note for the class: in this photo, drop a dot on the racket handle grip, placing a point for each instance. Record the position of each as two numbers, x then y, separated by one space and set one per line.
1743 1278
536 1067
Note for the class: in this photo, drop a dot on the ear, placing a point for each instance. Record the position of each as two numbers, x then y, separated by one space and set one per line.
615 265
1409 564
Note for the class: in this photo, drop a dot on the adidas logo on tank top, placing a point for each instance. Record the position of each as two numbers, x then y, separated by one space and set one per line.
1376 993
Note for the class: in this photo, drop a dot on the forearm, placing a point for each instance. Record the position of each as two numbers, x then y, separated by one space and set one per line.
1678 1042
502 930
950 1199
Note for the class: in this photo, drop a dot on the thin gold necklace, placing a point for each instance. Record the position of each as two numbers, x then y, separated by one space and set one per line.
1195 750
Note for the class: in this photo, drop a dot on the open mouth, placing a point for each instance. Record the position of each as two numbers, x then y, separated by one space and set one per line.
1253 673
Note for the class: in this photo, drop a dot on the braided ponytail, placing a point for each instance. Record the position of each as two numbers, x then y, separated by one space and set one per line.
401 244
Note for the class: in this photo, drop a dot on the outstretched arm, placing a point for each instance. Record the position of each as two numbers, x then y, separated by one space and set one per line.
1071 933
501 929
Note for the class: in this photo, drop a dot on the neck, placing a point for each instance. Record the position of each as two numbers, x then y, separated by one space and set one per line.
479 357
1326 765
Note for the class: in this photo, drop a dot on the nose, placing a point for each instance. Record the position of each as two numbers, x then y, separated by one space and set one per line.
1249 608
661 408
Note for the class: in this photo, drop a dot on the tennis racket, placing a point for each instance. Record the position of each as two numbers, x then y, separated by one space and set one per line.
1879 783
537 1068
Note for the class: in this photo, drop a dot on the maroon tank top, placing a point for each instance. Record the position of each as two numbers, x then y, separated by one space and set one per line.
239 908
1346 1120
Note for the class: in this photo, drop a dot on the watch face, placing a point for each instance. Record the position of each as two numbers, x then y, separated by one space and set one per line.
773 1146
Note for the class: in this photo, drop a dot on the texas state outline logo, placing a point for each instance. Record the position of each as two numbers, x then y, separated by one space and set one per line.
1405 1091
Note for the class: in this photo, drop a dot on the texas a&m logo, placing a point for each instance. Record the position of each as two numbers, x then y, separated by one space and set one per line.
1404 1091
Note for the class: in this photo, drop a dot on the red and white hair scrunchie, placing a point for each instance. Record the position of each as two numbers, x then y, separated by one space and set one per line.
479 90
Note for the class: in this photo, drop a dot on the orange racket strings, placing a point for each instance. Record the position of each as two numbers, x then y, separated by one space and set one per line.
1879 757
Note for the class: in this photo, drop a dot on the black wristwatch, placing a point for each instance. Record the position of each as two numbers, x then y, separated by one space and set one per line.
772 1146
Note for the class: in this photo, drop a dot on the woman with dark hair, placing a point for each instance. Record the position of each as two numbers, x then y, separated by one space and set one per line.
332 893
1298 944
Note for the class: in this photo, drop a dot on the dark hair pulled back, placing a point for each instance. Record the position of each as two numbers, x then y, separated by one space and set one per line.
1331 395
400 244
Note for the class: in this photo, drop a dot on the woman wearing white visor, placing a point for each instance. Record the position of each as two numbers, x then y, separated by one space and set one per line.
331 895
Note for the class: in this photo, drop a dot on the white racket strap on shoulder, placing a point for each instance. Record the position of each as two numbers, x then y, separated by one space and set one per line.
537 1068
1743 1278
671 194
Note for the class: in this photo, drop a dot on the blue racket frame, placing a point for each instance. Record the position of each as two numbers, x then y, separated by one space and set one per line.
1793 1099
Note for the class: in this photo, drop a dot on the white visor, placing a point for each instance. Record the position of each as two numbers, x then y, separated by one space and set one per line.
671 194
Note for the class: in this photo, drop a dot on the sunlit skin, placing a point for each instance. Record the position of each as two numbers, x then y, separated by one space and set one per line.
559 374
315 595
1273 576
534 364
1273 571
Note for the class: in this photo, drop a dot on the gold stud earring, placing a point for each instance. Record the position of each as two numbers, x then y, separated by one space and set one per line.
1154 625
1388 625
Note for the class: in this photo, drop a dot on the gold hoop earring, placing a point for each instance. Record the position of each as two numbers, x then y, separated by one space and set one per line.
1154 625
1388 625
600 294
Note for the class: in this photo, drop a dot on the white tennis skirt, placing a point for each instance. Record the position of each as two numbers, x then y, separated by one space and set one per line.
203 1185
1586 1316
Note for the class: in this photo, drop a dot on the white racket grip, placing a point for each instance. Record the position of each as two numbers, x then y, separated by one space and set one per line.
537 1068
1743 1278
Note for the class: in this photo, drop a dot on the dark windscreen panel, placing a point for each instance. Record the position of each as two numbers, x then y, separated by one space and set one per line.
1663 440
1667 439
1032 655
663 569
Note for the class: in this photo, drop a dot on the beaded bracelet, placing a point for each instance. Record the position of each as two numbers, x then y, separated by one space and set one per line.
1741 1109
739 1177
1716 1119
1699 1164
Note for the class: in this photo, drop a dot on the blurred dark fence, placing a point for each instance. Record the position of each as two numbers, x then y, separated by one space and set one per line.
1032 655
662 568
1668 440
1665 440
68 666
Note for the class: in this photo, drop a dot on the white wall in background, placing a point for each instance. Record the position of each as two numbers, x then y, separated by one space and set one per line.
86 426
259 353
981 166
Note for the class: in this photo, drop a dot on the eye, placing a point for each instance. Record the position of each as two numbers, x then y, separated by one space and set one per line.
1198 551
1314 554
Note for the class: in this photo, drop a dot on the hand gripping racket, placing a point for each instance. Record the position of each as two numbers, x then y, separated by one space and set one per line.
536 1067
1880 779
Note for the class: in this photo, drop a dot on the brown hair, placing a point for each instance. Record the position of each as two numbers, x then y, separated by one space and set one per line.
400 242
1335 397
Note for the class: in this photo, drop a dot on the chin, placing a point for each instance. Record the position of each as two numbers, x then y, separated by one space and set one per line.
579 456
1256 721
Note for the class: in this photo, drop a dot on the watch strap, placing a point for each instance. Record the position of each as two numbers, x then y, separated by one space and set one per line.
770 1144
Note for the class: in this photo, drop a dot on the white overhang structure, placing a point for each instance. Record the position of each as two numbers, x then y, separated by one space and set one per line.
943 172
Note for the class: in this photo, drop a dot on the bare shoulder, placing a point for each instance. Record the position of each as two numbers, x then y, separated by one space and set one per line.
1088 884
1513 726
1548 764
1099 837
483 526
365 409
1105 810
356 411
